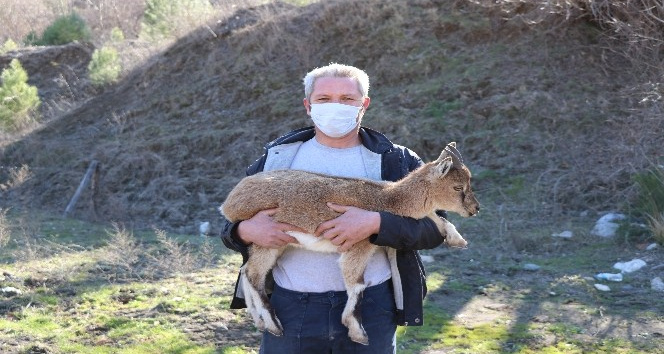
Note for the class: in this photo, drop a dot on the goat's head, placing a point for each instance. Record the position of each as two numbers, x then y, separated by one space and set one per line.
451 178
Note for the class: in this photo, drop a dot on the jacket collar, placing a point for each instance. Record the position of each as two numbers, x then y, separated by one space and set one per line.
371 139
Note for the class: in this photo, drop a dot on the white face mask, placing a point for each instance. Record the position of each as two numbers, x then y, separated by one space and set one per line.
335 119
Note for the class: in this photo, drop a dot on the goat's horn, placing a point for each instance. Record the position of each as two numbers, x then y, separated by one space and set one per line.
457 160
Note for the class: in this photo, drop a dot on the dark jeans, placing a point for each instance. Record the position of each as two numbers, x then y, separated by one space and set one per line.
312 322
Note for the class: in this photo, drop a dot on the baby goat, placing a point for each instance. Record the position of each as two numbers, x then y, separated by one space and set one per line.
301 199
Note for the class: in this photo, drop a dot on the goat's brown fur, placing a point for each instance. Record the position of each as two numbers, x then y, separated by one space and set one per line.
301 199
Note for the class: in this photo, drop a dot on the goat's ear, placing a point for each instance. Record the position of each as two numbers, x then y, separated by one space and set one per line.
443 166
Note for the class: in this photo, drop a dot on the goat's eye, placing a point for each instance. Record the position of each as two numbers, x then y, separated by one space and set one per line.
458 188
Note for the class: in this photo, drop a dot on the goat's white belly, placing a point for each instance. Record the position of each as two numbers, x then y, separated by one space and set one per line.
313 243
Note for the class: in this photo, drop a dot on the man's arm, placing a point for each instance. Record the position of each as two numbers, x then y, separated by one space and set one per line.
382 228
230 239
263 231
407 233
260 229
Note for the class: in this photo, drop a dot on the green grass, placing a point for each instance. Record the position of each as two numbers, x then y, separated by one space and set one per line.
74 302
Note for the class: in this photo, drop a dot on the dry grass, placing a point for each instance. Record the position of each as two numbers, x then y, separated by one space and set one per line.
5 234
121 255
127 257
656 224
23 17
19 18
637 26
172 148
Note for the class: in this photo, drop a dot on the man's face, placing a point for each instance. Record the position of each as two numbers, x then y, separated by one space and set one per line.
342 90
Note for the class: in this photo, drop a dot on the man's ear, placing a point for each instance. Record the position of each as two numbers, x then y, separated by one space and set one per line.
307 106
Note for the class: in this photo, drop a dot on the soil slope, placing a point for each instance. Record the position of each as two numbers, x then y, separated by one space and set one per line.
539 112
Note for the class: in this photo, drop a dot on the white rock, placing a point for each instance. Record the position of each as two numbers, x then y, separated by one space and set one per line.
657 284
10 291
564 234
631 266
609 276
606 226
204 228
651 247
602 287
531 267
427 259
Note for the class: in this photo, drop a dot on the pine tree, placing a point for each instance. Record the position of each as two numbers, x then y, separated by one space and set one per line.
18 99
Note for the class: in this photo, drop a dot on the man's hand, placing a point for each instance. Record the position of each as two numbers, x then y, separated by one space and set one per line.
263 231
352 226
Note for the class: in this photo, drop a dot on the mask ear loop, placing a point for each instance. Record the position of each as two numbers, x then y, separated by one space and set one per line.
362 109
357 118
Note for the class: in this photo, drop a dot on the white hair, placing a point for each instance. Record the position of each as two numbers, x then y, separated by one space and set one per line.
337 70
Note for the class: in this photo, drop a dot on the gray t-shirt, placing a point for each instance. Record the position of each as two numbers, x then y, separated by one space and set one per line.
302 270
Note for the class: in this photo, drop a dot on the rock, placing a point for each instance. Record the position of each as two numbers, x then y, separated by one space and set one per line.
204 228
606 225
564 234
609 276
531 267
427 259
631 266
651 247
657 284
602 287
10 291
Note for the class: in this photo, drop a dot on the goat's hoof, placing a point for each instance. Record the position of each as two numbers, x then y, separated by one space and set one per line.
275 329
359 336
456 242
364 340
278 332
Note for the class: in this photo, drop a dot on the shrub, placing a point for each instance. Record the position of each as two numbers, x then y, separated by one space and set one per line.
117 35
164 18
31 39
65 29
18 100
104 68
650 201
8 46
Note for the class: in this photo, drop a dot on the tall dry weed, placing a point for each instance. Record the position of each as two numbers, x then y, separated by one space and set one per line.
5 231
121 255
18 176
29 244
656 225
127 258
173 257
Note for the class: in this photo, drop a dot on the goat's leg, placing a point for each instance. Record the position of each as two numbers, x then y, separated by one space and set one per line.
261 261
353 263
450 234
250 298
453 237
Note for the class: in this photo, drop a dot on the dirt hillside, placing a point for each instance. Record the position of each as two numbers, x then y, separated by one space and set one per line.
546 115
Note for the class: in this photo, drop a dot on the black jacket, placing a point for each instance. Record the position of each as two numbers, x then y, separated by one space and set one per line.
406 235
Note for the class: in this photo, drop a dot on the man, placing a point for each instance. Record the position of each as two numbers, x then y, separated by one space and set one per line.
309 293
